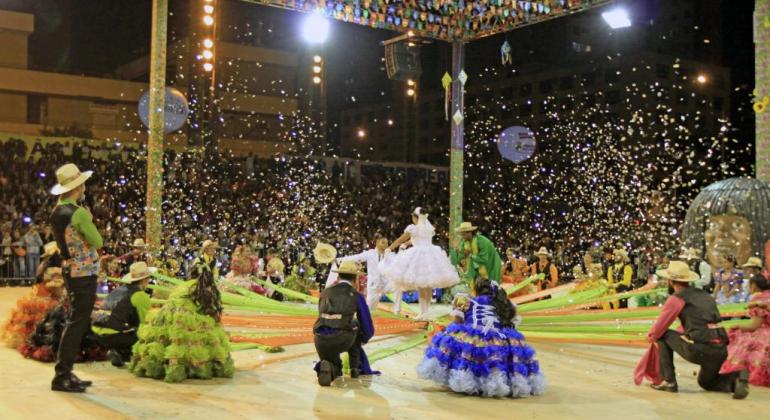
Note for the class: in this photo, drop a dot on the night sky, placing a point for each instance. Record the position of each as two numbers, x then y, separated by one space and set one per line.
96 36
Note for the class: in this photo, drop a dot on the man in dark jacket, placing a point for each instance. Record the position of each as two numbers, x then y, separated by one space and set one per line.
124 309
78 242
703 341
344 324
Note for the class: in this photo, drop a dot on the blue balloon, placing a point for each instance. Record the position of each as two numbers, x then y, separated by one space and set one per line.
176 110
516 144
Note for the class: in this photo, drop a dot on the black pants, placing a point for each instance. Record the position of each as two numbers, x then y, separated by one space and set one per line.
708 356
82 296
120 342
329 348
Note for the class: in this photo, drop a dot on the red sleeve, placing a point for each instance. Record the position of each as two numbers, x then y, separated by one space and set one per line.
668 315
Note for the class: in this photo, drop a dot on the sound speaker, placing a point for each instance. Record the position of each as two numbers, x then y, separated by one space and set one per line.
402 62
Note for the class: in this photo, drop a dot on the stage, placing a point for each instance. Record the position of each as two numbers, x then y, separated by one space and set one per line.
584 382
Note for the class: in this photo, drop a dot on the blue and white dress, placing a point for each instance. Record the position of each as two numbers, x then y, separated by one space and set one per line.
479 357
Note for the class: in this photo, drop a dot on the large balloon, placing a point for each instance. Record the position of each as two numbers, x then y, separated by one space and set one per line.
516 144
176 108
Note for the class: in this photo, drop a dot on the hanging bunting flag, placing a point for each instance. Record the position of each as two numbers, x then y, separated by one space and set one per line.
505 53
446 81
458 117
462 77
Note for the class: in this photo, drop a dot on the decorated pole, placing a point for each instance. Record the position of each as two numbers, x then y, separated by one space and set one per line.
762 88
456 152
156 114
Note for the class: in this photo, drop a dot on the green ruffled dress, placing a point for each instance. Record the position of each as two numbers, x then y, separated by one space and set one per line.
178 343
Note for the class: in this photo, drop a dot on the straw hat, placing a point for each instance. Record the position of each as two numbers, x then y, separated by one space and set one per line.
276 264
50 248
543 251
621 252
324 253
690 254
348 267
466 227
678 271
139 243
69 177
138 271
208 244
752 262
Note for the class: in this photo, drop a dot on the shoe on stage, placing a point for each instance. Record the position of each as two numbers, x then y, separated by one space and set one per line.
355 373
666 387
84 384
66 384
325 373
741 389
115 358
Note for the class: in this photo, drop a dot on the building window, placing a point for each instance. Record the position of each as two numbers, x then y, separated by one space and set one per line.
525 109
613 97
589 79
546 86
719 104
37 109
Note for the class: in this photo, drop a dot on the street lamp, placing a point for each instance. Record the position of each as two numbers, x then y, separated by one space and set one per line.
617 18
315 29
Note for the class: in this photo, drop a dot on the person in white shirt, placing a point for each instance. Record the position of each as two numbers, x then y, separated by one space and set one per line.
376 284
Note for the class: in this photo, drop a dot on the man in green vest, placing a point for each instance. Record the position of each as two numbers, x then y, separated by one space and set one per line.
124 309
475 255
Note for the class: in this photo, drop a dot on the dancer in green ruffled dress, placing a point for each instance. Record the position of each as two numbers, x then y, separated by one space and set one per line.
185 338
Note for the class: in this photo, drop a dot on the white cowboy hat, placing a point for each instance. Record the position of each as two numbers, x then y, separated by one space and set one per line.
69 177
348 267
543 251
690 254
752 262
139 243
324 253
138 271
678 271
466 227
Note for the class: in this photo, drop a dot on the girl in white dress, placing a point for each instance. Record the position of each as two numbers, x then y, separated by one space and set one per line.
423 267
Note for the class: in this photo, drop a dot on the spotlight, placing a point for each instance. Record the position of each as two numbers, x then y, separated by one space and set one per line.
702 79
208 20
410 92
208 9
315 29
208 43
316 80
208 66
207 54
617 18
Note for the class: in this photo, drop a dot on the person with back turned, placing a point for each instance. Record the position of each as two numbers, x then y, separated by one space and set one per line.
78 241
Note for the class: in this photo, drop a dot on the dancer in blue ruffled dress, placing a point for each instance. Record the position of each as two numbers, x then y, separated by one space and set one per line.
481 353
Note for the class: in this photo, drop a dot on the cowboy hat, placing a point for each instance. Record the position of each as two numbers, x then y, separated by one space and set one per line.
324 253
466 227
139 243
678 271
752 262
138 271
69 177
50 248
620 252
275 264
209 244
543 251
690 254
348 267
